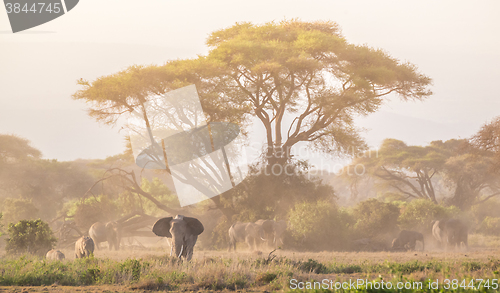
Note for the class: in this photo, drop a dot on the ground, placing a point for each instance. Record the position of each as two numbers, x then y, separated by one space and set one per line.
246 271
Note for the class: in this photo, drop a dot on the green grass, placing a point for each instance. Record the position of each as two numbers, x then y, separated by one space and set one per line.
167 273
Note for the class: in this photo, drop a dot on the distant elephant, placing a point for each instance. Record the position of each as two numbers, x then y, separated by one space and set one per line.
407 240
54 255
84 247
184 232
450 233
109 232
250 233
267 227
279 232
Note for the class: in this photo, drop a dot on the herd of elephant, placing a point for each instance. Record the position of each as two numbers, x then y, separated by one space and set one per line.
85 245
262 232
450 233
184 233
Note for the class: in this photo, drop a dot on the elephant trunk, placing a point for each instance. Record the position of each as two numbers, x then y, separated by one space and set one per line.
178 246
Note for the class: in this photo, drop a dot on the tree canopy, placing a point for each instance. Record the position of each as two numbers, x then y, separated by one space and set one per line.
302 80
412 170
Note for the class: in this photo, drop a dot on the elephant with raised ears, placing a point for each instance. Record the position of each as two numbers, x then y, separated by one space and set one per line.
250 233
84 247
450 233
54 255
407 240
109 232
184 232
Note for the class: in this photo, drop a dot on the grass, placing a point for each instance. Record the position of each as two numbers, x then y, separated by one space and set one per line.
243 271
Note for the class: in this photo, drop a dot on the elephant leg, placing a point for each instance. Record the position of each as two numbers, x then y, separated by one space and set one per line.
248 240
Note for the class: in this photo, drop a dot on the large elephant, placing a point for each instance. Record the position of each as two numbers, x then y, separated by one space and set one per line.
184 232
54 255
450 233
250 233
84 247
407 240
109 232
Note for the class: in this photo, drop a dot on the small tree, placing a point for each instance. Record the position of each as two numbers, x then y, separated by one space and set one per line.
27 236
419 214
16 209
374 218
317 226
101 208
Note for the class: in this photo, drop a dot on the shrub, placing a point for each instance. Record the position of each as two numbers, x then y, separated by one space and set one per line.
490 226
374 217
419 214
93 209
30 236
489 208
316 226
16 209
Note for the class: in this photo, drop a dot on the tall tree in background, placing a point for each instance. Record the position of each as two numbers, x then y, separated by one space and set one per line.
488 139
411 170
407 169
45 183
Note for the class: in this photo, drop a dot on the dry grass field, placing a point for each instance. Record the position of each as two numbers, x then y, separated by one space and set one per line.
136 269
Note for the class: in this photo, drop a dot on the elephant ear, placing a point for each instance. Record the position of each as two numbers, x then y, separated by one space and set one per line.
162 227
195 225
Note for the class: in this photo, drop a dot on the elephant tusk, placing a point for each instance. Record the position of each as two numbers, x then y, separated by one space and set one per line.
171 249
182 248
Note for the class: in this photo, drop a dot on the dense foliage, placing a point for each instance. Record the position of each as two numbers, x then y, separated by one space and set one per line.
419 214
317 226
34 237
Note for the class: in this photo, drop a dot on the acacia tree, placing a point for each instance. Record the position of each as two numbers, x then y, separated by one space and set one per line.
303 72
407 169
411 170
309 71
488 139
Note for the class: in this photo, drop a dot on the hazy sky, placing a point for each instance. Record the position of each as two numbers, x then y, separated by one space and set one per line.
456 43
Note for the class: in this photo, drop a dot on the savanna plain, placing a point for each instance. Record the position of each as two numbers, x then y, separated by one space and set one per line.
139 269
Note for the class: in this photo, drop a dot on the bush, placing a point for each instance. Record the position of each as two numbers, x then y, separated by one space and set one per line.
489 208
15 209
28 236
374 217
419 214
490 226
129 202
94 209
317 226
